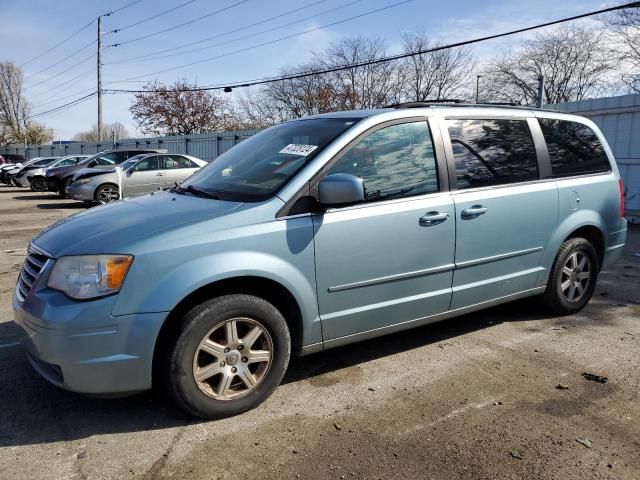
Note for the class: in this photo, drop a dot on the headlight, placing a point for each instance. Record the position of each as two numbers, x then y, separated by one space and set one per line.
82 181
89 276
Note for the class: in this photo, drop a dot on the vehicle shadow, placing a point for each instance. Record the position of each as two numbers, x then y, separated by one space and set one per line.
36 412
36 197
62 206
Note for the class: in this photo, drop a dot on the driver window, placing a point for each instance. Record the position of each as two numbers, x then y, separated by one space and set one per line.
147 164
394 162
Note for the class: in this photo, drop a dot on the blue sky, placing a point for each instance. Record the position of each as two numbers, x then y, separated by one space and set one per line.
37 25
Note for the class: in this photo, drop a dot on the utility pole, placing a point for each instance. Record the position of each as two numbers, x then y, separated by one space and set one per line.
540 100
478 88
99 78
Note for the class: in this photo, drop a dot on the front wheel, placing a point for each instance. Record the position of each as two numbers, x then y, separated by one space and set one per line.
106 194
573 277
230 356
38 184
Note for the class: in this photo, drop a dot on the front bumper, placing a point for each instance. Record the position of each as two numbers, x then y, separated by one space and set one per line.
21 181
84 192
54 184
81 347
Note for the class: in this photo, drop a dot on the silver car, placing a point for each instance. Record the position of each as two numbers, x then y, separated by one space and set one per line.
138 175
35 177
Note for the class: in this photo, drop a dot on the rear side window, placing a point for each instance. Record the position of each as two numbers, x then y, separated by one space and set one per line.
574 148
492 152
394 162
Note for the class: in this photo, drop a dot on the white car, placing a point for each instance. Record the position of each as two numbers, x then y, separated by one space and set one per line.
35 177
139 175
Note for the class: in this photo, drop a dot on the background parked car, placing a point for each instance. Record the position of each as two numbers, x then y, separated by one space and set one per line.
6 158
19 176
36 175
6 171
59 178
138 175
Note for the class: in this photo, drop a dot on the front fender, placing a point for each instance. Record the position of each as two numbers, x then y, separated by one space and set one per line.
158 286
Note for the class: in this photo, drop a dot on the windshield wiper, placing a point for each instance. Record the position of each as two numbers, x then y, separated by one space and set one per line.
194 191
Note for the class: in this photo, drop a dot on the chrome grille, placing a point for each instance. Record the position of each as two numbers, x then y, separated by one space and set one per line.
32 267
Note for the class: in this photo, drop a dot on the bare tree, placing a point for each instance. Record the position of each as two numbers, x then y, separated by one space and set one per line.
178 109
110 131
435 75
574 61
13 106
367 86
38 134
625 27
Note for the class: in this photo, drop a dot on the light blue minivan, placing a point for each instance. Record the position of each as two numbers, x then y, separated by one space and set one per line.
316 233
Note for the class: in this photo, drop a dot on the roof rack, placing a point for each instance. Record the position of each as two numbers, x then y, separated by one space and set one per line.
427 103
457 103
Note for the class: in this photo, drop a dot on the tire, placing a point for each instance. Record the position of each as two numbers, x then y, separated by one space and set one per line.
563 296
107 193
38 184
205 348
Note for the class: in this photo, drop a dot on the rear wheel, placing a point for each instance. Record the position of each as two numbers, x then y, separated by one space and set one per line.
573 277
38 184
107 193
231 354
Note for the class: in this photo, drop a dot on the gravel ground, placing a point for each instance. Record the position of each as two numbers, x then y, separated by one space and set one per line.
492 395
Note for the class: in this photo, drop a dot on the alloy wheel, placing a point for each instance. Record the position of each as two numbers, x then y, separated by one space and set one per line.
576 275
108 194
232 359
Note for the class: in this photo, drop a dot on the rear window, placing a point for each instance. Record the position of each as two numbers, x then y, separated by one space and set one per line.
492 152
574 148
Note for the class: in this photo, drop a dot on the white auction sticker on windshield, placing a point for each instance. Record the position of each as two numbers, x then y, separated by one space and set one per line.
298 149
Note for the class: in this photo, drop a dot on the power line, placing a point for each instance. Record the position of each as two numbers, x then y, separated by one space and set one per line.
65 106
184 52
76 33
391 58
370 12
179 25
111 12
48 79
67 82
150 18
55 64
71 95
60 43
172 49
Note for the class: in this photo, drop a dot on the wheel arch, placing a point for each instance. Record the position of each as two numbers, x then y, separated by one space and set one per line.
95 192
266 288
582 223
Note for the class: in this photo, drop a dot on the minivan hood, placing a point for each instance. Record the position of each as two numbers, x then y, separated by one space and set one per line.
112 228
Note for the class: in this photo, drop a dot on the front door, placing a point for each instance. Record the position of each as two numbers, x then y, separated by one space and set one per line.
143 178
504 214
388 260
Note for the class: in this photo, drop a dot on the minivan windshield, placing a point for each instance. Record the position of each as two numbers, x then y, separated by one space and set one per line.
258 167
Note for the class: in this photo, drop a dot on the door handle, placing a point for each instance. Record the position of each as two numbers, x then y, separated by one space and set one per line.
474 211
433 218
159 174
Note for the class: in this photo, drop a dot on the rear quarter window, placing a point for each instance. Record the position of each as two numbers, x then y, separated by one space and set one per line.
574 148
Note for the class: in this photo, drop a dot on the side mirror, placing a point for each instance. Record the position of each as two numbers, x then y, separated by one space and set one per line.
340 189
92 164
